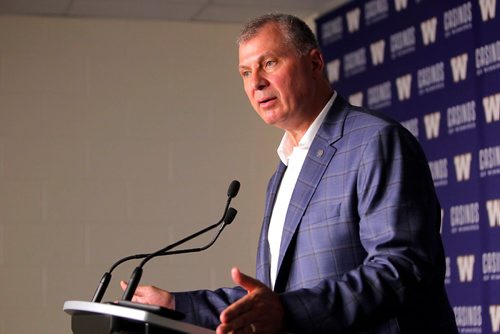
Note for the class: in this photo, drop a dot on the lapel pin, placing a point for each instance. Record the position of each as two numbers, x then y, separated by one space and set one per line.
319 153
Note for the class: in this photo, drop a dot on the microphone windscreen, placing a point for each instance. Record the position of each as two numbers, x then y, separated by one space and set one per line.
233 189
231 213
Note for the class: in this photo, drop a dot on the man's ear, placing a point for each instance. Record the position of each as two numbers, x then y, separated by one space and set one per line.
318 64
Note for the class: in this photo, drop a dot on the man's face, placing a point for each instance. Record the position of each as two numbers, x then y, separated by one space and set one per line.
277 81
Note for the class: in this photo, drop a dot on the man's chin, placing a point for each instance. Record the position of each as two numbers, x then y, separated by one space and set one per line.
269 118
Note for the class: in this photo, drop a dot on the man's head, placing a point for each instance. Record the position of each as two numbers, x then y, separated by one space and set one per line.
283 71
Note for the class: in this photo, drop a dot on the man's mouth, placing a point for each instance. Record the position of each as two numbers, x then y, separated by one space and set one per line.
264 102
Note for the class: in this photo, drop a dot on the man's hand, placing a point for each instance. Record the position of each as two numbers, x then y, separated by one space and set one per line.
260 311
151 295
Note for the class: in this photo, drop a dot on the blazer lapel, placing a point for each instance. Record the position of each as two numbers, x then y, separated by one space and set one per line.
318 159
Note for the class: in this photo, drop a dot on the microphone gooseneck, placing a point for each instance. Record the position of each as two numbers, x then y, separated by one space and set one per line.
227 217
135 278
231 214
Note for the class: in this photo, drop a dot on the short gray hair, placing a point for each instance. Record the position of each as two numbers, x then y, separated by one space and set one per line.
296 32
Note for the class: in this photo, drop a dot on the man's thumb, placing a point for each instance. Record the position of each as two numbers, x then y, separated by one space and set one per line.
246 282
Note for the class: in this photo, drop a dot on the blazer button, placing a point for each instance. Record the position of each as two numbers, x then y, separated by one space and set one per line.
319 153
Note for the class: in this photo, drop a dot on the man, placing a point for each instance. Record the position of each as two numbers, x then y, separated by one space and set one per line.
350 241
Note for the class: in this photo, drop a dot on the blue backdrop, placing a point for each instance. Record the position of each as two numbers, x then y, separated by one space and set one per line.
435 67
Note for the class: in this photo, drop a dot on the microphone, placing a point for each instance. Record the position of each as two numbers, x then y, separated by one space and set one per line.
165 312
137 273
232 191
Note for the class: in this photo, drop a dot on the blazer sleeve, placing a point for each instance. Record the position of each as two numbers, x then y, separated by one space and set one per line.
399 220
203 307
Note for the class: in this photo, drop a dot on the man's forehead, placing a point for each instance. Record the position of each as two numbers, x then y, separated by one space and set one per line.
270 39
257 52
248 58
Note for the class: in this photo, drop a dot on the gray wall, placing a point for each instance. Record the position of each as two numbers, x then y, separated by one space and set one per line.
118 137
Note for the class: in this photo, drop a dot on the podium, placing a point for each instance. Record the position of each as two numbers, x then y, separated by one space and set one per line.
100 318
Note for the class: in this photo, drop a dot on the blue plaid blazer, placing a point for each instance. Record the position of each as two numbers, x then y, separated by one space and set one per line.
361 250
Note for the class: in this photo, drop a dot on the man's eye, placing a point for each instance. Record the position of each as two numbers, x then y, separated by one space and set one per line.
270 63
245 74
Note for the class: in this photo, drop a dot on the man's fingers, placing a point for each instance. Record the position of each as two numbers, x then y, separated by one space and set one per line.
237 324
236 310
141 292
245 304
260 308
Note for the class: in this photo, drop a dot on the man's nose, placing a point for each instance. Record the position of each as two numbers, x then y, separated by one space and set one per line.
259 82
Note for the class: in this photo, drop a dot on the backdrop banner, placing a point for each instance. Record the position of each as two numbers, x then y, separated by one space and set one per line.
435 67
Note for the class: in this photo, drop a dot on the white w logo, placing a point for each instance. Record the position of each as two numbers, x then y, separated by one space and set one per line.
495 318
404 87
377 50
400 4
459 67
333 69
491 106
465 267
432 122
493 208
428 29
462 166
353 20
488 9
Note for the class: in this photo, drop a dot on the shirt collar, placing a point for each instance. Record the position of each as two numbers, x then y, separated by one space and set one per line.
286 147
